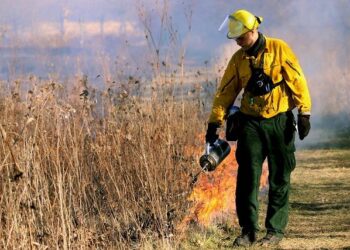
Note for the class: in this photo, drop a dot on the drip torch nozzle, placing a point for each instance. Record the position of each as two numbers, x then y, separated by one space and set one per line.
206 166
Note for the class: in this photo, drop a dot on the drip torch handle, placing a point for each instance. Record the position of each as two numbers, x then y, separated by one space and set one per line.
207 148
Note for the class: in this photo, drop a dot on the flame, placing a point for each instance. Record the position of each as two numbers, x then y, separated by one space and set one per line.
213 194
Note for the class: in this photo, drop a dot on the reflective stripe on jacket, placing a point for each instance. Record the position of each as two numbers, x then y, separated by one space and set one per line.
279 63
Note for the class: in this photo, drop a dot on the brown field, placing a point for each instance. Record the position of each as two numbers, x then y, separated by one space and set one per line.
76 174
117 173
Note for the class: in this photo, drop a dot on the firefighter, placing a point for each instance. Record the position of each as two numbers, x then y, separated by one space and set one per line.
273 84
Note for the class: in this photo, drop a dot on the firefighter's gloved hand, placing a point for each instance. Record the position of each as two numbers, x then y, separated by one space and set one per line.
211 135
303 126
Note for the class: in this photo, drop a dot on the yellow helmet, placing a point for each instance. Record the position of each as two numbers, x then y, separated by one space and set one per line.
241 22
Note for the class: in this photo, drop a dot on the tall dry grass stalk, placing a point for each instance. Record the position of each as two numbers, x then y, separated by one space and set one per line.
72 176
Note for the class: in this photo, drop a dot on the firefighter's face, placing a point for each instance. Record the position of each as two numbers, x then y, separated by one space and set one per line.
247 39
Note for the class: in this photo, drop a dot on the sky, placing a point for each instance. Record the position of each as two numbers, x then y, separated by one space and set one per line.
38 35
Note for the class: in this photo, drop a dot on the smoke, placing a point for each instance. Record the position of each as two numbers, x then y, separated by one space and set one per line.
317 31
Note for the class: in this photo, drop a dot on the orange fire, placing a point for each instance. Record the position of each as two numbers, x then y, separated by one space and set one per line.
213 194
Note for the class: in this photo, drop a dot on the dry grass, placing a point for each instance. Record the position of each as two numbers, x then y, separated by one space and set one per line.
89 169
320 203
73 178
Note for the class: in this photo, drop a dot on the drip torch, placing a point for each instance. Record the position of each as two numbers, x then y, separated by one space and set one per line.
214 154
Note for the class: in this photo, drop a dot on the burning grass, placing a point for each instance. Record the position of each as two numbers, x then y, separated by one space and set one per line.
213 194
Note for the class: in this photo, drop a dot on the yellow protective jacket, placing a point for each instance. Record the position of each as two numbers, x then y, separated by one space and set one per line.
280 64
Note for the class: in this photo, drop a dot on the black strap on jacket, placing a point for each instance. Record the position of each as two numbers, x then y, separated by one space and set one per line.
259 83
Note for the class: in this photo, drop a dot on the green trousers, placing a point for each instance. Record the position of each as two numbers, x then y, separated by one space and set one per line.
259 139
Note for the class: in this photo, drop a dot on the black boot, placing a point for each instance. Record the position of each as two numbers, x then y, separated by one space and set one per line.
246 239
270 239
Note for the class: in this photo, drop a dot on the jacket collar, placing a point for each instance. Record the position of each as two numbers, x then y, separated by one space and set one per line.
257 47
266 49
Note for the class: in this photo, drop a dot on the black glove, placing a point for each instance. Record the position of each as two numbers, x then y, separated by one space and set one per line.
303 126
211 135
